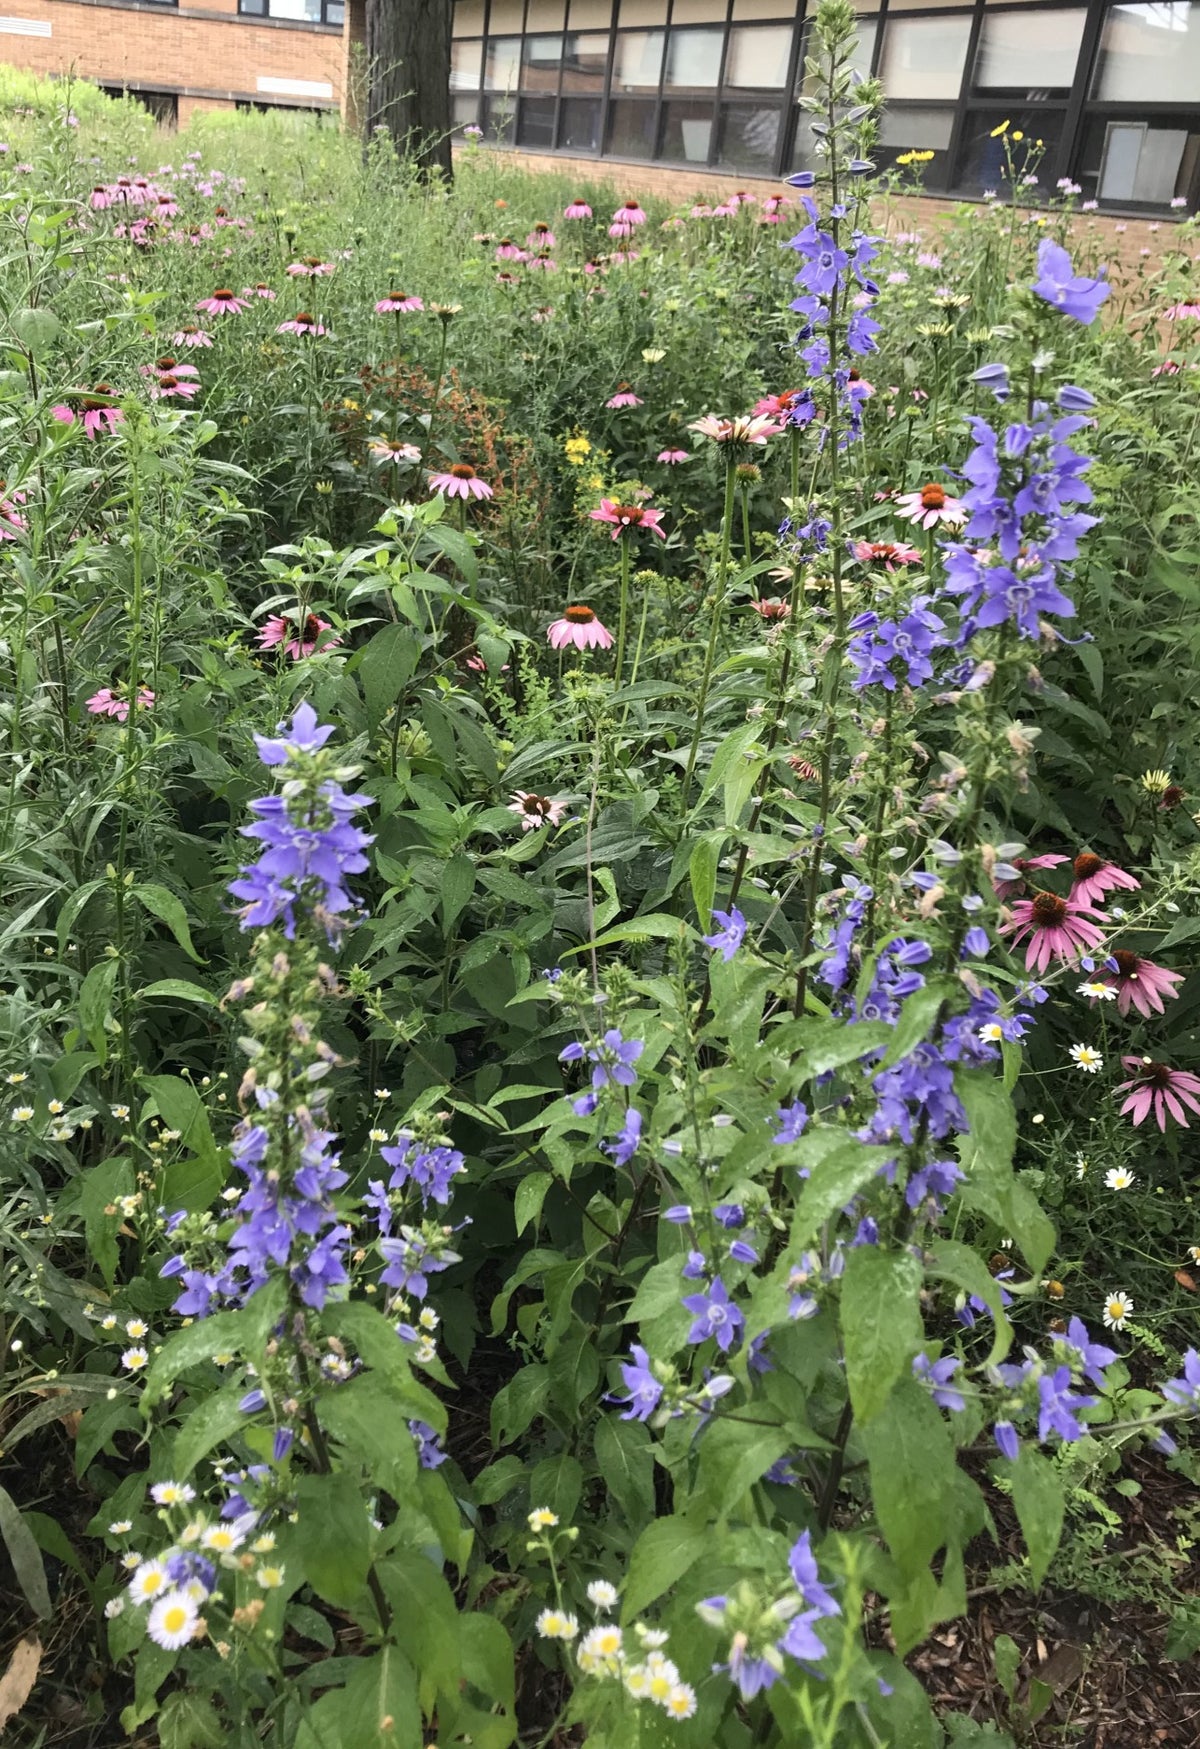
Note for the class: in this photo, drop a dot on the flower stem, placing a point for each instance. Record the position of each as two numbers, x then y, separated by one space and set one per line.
714 625
623 615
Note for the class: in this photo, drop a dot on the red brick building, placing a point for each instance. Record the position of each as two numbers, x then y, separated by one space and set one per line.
179 57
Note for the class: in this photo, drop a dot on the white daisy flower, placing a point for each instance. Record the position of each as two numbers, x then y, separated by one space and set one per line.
556 1624
120 1112
1081 1166
1119 1178
172 1494
1117 1307
134 1359
383 1093
377 1135
132 1561
262 1545
681 1702
120 1527
173 1620
1194 1253
601 1594
991 1032
16 1078
1096 991
22 1113
541 1518
270 1578
150 1581
222 1539
113 1607
135 1329
600 1649
652 1638
1084 1057
55 1107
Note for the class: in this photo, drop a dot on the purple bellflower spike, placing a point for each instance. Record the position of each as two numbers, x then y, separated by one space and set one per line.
628 1139
1058 286
938 1374
715 1315
731 934
645 1391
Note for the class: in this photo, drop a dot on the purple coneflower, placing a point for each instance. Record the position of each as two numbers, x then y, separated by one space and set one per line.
626 518
931 505
507 250
580 627
624 397
577 209
673 457
534 810
460 481
259 290
390 449
12 523
1057 928
297 640
109 703
168 387
629 213
1140 983
886 552
1156 1087
189 335
301 323
1095 876
1007 889
309 268
398 303
96 410
222 303
752 429
541 237
772 609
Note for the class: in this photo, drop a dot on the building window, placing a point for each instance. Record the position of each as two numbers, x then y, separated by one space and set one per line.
1150 53
162 105
299 11
1028 56
924 57
1141 163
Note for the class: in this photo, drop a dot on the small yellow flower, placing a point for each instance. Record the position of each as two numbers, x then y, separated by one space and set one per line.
556 1624
541 1518
54 1107
1017 134
270 1578
1155 783
653 354
998 132
22 1113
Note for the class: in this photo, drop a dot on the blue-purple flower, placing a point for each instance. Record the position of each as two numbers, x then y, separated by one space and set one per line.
729 937
1057 285
715 1315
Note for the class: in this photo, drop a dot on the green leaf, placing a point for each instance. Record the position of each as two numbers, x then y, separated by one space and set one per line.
881 1323
959 1264
531 1194
387 664
365 1417
557 1482
25 1556
189 1721
37 330
215 1419
244 1331
457 885
702 872
990 1183
733 1455
1040 1503
625 1456
423 1601
383 1687
832 1183
335 1537
911 1458
1006 1659
183 991
169 910
95 1003
658 1291
375 1340
99 1189
664 1552
182 1109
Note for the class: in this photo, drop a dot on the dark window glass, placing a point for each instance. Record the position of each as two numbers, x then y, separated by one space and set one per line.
1028 55
1129 162
498 116
535 122
162 105
584 61
687 131
540 63
1150 53
983 161
694 60
758 59
909 129
630 129
748 138
579 124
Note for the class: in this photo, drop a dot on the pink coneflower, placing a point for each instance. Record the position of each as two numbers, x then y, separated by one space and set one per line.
595 264
772 609
577 209
541 237
805 770
107 703
931 505
1095 876
196 235
751 429
627 518
857 387
460 481
97 410
1156 1087
629 213
190 336
223 302
620 257
726 210
398 304
534 810
886 552
1182 313
310 268
544 260
12 523
301 323
166 207
773 210
101 197
169 387
1168 368
390 449
168 366
259 290
297 640
1057 929
624 397
507 250
673 457
1026 864
580 627
1140 983
700 211
778 406
508 279
543 313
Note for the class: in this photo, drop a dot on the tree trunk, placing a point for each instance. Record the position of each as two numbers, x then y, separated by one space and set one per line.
408 55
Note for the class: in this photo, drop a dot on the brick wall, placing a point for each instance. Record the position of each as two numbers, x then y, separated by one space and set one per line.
207 53
1123 240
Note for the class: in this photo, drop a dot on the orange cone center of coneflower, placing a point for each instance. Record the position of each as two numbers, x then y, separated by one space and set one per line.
542 230
124 182
538 804
628 513
1049 910
579 616
1155 1074
313 261
505 243
166 362
397 297
168 382
311 629
1127 963
222 292
463 471
219 212
622 388
933 498
303 316
1087 865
